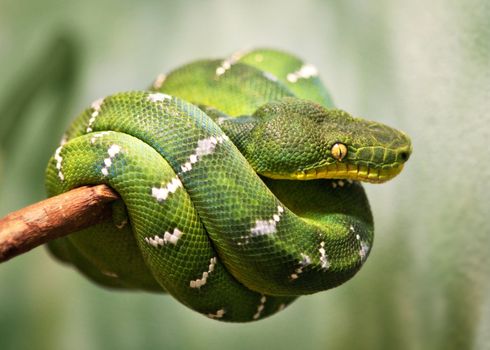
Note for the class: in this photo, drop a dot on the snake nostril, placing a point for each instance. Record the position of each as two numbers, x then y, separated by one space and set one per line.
404 156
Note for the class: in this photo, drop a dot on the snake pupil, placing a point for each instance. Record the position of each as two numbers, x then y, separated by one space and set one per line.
339 151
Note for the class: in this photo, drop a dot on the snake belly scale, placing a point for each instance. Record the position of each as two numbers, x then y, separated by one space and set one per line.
208 164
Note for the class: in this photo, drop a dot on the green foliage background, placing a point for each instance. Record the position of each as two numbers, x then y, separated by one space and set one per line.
421 66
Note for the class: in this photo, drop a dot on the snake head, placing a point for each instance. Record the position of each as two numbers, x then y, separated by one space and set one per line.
301 140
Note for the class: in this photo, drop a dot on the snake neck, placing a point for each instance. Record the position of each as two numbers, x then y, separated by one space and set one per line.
238 129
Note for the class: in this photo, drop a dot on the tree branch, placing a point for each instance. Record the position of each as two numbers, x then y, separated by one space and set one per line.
54 217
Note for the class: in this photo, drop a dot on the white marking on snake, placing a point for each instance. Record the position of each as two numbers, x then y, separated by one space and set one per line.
154 241
198 283
98 135
263 227
228 62
59 160
267 227
260 308
122 224
168 237
204 147
338 183
305 261
172 237
96 106
218 314
220 71
305 72
269 76
323 257
281 307
112 152
221 120
162 193
157 84
363 252
109 274
63 140
158 97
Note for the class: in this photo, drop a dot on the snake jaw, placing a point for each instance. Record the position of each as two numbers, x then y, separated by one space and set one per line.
378 175
342 171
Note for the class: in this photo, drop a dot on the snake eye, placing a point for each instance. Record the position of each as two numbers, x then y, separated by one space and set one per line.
339 151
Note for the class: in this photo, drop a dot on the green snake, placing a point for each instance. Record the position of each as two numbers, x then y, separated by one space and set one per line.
208 164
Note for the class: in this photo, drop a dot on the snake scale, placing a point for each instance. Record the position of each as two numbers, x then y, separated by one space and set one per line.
208 163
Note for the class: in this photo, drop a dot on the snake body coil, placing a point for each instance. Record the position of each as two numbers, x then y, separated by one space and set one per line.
195 219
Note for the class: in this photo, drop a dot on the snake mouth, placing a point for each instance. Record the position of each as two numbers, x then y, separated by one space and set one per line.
344 171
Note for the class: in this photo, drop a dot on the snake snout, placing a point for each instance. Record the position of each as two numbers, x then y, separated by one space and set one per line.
406 151
404 156
376 155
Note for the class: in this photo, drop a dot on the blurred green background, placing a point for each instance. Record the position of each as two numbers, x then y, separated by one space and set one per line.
421 66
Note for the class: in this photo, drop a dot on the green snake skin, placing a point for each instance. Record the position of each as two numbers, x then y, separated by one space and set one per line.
208 164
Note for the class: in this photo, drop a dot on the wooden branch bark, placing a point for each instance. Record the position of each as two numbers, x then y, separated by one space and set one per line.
54 217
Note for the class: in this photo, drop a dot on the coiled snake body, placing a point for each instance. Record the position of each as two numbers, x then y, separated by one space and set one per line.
195 219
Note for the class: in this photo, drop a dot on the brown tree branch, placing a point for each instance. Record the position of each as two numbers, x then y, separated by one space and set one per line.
54 217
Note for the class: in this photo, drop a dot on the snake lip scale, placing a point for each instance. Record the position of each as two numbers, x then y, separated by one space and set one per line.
209 164
341 171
